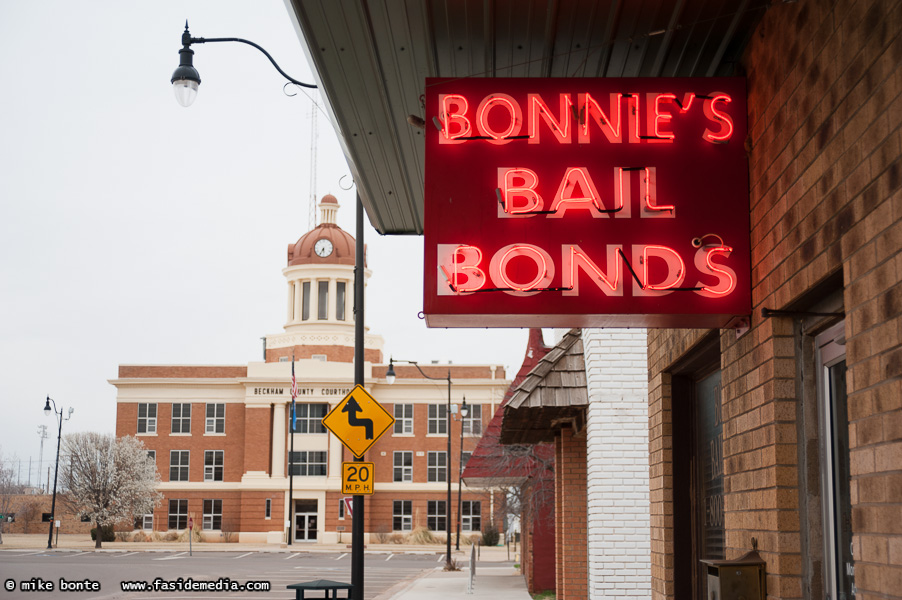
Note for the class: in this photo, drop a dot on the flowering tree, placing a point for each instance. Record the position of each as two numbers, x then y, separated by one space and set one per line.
109 479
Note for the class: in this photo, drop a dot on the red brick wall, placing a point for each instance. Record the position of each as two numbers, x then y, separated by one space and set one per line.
175 371
571 552
824 120
333 353
232 443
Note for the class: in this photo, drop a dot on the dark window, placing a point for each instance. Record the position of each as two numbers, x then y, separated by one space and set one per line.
212 514
402 515
438 418
307 464
403 466
310 418
147 418
322 307
178 514
45 517
178 465
305 303
213 463
437 466
340 300
404 418
472 424
181 418
268 508
215 418
471 515
435 515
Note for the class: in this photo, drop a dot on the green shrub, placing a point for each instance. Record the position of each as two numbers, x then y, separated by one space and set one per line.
107 534
490 535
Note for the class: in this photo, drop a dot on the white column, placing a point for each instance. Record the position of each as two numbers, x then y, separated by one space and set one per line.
278 441
298 299
291 294
617 463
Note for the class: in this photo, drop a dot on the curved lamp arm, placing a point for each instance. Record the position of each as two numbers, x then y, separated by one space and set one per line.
186 79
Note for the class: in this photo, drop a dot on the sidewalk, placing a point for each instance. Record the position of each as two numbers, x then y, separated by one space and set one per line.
493 579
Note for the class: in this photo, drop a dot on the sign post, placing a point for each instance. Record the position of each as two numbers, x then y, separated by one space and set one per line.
190 536
358 421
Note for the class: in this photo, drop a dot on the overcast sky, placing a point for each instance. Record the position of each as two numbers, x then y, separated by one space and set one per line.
135 231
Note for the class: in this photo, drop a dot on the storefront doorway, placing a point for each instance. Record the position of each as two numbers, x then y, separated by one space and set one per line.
305 520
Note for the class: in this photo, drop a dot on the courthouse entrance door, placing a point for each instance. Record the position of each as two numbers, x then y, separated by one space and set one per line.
305 520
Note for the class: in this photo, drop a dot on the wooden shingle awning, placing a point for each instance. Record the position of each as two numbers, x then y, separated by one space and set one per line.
554 394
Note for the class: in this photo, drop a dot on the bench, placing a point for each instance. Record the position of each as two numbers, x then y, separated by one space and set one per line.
323 585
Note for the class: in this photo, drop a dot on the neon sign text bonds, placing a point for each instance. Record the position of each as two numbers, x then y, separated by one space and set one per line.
586 202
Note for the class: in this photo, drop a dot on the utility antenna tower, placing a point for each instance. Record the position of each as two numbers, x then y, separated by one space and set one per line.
314 143
42 433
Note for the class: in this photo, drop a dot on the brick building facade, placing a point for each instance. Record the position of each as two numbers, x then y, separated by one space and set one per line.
221 436
791 432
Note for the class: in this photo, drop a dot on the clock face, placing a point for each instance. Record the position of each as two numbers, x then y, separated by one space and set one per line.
323 248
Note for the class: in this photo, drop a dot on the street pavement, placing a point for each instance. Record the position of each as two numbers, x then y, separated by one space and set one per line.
495 577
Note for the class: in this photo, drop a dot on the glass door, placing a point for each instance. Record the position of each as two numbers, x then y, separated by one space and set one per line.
305 521
839 568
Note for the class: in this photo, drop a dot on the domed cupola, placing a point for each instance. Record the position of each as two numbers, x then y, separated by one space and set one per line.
325 244
320 277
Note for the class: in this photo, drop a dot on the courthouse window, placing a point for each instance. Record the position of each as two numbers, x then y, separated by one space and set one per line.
178 514
213 462
472 423
437 466
470 515
340 300
438 418
403 466
402 515
322 307
308 464
305 301
181 418
178 465
435 515
215 418
403 418
147 418
310 418
212 514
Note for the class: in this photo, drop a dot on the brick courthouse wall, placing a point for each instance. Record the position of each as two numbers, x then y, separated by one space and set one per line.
824 119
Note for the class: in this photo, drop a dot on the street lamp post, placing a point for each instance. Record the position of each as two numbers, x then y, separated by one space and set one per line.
390 379
464 410
59 437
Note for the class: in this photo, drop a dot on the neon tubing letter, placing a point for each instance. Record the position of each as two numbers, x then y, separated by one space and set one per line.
498 269
574 258
725 131
519 183
452 110
559 127
676 270
457 261
656 118
564 195
649 195
510 106
610 125
726 277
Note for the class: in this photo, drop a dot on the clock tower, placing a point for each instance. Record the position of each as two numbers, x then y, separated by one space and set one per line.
320 314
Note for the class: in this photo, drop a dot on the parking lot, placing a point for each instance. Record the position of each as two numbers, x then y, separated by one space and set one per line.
158 575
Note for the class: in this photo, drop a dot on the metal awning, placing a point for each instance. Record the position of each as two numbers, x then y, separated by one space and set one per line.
371 60
553 395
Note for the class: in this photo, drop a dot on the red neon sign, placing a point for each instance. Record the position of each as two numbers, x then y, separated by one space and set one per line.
586 202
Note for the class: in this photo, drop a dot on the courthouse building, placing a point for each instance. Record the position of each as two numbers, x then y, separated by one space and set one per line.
220 434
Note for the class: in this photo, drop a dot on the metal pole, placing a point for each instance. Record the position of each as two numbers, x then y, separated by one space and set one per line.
59 437
448 477
357 517
460 471
291 478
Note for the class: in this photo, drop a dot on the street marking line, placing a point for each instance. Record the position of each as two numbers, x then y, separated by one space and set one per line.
342 556
126 554
171 557
292 556
389 557
441 558
242 555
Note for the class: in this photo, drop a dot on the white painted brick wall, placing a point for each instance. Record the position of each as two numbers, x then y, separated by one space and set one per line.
617 446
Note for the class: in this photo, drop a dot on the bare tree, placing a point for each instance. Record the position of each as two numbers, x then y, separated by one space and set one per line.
9 489
109 479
